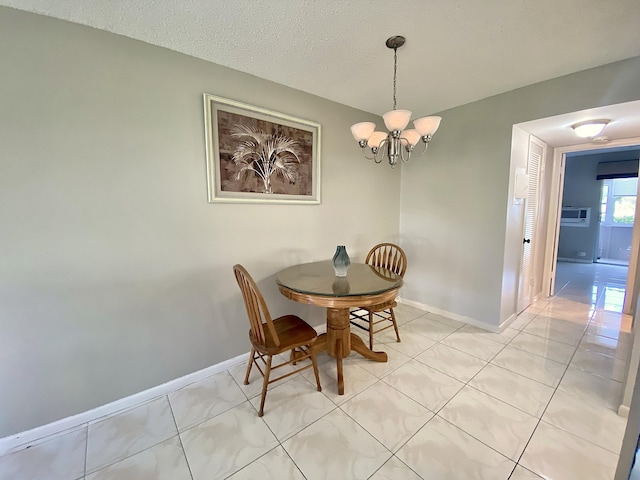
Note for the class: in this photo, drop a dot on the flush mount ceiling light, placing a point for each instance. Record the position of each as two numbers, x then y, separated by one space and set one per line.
398 142
590 128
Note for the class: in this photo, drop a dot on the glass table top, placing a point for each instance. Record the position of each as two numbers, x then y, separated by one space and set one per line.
318 278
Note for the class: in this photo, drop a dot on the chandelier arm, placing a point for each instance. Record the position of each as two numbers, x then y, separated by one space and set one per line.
382 151
364 154
402 148
408 154
426 145
406 151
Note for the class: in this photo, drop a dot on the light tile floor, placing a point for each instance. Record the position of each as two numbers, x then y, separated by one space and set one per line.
537 401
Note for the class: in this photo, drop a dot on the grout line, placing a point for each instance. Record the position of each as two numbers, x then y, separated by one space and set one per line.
293 461
184 452
122 459
86 451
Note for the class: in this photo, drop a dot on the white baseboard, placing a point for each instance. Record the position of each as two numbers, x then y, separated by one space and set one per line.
453 316
623 411
37 435
539 296
574 260
507 322
34 436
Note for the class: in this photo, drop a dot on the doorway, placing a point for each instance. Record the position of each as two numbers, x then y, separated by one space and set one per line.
586 190
617 217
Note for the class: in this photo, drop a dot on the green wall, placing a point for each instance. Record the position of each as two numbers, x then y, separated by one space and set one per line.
457 220
116 273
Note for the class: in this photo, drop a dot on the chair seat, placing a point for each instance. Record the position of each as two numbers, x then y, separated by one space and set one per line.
292 332
381 306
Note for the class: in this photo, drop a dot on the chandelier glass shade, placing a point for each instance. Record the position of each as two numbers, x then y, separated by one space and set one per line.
398 142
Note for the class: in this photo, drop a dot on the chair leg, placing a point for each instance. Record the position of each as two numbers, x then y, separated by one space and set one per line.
370 330
267 372
315 366
249 365
395 324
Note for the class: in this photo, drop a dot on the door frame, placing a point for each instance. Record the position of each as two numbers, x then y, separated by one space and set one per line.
553 220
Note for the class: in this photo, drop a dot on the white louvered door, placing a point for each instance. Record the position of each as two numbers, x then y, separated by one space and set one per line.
525 289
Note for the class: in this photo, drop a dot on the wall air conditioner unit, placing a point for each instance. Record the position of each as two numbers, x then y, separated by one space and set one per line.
575 217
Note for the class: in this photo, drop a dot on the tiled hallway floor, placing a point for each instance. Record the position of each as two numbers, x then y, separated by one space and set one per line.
537 401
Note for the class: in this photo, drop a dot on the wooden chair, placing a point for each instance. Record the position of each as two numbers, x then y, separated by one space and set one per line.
272 337
393 258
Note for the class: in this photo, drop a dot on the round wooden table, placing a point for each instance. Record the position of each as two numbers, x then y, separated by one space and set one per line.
316 284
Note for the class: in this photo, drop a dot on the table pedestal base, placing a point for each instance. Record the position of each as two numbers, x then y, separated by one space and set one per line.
339 342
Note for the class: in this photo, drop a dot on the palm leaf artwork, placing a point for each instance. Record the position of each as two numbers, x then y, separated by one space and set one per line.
265 154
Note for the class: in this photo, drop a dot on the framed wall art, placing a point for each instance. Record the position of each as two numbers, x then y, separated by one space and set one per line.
255 155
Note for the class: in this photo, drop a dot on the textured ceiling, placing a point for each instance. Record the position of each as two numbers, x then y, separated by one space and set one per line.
457 51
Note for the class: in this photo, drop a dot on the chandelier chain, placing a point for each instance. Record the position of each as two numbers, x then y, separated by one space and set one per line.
395 74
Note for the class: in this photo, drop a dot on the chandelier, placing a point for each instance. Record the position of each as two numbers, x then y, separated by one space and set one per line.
398 142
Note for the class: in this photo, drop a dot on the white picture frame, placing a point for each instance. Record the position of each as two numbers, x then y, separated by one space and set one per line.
255 155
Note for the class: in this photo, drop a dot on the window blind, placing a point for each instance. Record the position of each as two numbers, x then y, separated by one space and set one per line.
621 169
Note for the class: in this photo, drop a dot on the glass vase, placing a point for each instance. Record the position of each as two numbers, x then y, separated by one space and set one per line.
341 261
